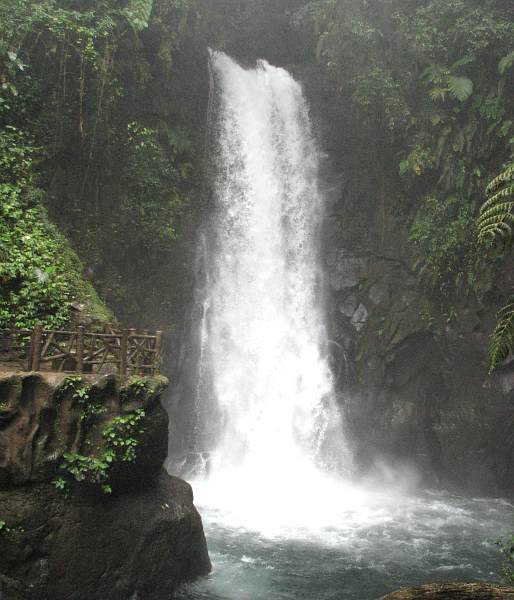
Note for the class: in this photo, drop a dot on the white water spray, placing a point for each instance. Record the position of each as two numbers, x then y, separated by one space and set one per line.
265 334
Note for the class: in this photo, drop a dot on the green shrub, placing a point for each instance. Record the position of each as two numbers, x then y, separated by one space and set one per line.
120 445
40 275
444 235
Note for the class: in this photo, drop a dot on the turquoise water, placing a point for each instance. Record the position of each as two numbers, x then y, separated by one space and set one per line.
419 539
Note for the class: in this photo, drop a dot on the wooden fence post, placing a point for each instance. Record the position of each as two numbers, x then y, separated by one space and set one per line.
35 348
144 357
80 349
132 331
158 346
123 352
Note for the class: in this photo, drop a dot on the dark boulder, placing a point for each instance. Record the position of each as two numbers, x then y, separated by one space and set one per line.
138 542
136 545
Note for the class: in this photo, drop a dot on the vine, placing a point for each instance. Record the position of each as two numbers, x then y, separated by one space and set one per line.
121 440
81 392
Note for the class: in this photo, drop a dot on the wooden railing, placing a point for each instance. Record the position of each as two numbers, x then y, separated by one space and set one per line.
127 352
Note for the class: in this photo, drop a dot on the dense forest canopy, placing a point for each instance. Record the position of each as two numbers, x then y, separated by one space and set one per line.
109 152
103 118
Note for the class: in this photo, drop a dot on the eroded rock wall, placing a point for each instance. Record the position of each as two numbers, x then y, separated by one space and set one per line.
139 541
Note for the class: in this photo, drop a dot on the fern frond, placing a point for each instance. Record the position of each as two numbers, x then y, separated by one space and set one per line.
437 94
496 219
495 209
504 177
496 214
460 87
501 342
502 224
465 60
506 63
493 233
497 198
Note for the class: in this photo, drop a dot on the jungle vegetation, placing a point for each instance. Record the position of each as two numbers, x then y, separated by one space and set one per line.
495 229
103 122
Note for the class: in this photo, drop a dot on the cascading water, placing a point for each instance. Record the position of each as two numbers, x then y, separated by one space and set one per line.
264 347
281 521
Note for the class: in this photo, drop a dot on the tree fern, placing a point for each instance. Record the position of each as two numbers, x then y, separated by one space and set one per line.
138 13
495 222
496 218
501 343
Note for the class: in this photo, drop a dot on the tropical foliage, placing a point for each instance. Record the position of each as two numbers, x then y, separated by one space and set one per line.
443 234
496 218
495 225
431 84
39 273
93 98
120 441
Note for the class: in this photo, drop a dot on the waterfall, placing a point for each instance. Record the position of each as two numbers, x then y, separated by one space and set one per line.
264 342
266 451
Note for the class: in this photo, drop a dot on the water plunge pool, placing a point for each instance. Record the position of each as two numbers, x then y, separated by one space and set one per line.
417 539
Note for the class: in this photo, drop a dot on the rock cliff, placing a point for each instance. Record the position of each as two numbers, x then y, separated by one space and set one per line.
413 381
86 510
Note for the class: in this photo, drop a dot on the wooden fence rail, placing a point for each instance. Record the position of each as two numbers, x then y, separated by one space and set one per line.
127 352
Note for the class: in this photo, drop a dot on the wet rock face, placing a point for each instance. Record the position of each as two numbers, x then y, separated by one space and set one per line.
140 542
453 591
418 396
359 317
41 418
346 270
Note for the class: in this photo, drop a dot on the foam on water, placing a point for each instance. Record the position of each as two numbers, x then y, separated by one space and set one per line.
413 540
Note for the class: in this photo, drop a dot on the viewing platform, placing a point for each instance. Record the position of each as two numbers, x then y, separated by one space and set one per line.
125 352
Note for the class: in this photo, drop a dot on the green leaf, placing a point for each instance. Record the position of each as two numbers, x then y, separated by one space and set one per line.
465 60
506 63
437 93
501 343
460 87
